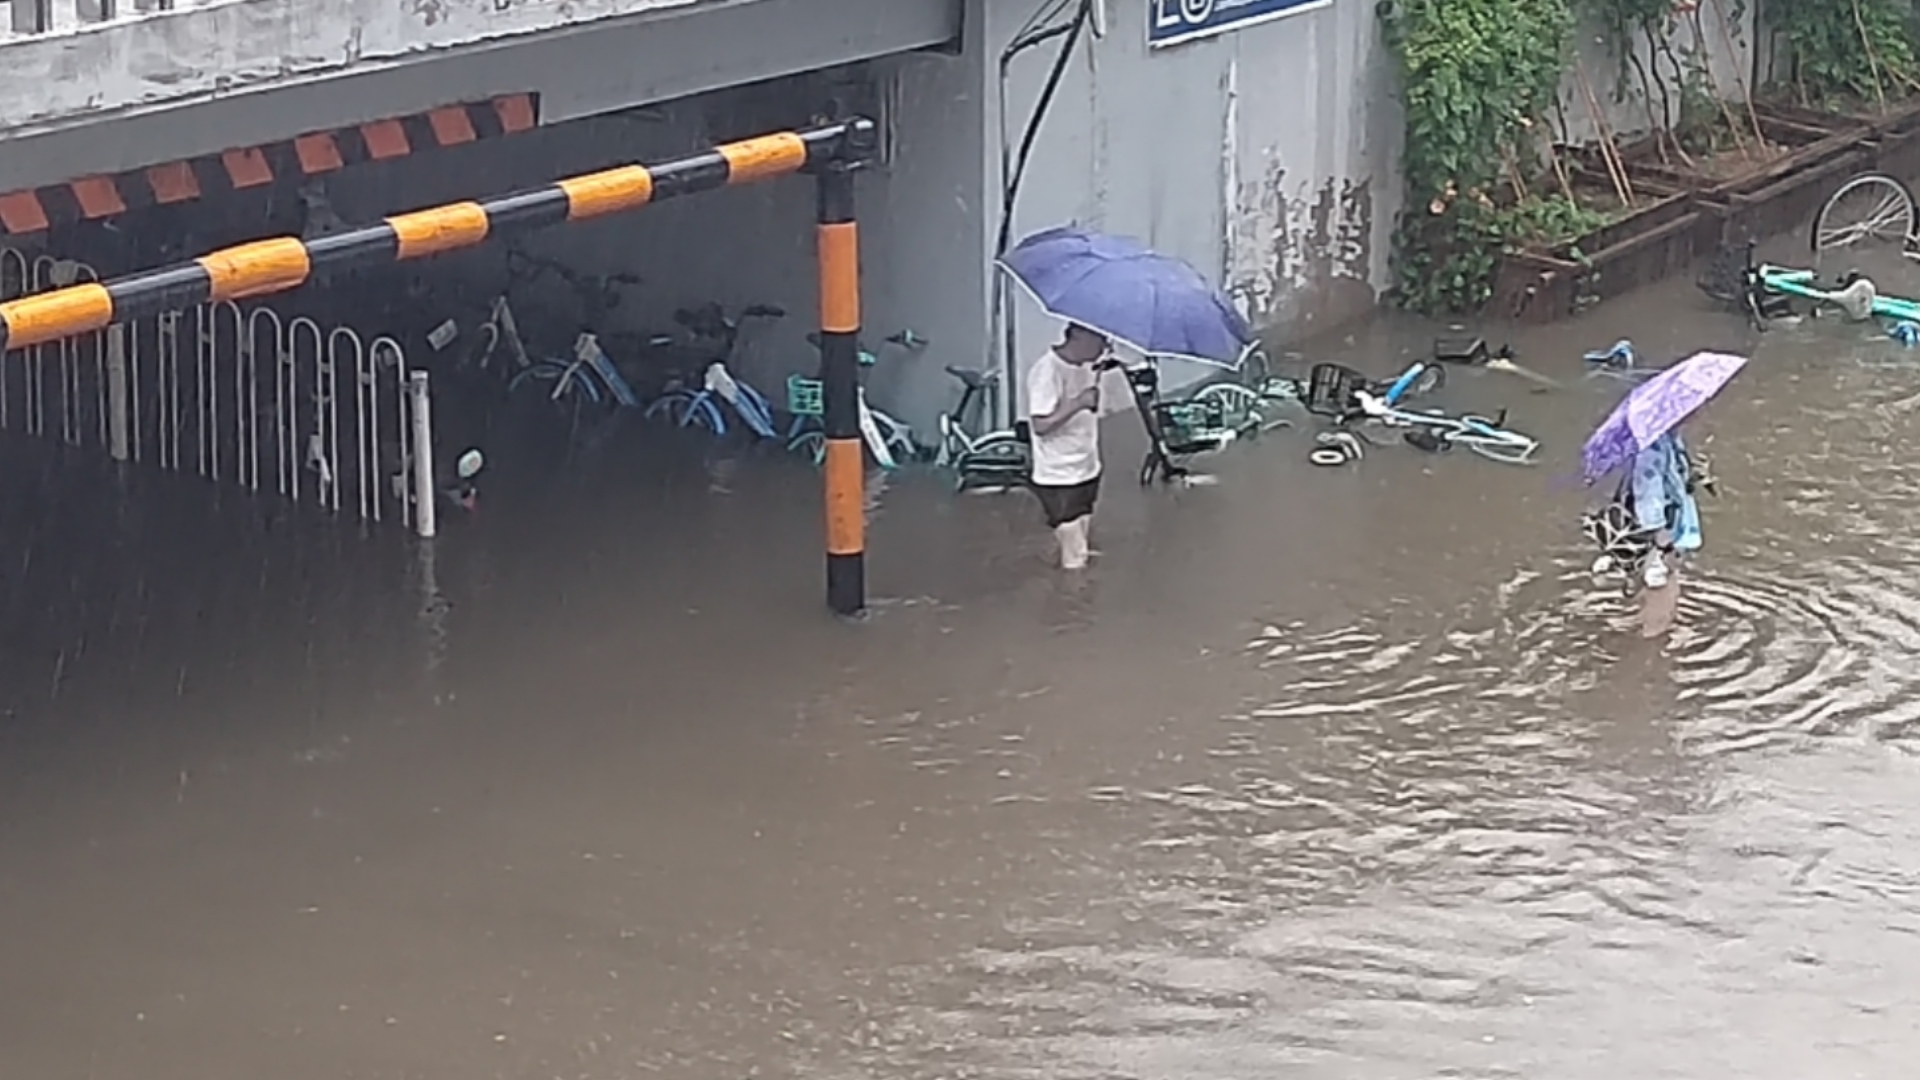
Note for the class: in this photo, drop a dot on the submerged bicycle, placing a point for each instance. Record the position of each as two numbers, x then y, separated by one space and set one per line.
1490 438
981 458
1255 402
1869 208
888 439
1345 395
1764 292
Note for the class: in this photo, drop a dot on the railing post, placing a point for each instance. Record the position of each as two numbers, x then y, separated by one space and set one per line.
839 253
117 391
420 409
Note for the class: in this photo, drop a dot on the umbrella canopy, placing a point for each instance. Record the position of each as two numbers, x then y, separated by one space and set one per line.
1654 408
1150 302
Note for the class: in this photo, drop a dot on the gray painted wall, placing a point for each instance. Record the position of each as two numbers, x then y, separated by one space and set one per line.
922 231
1266 156
164 87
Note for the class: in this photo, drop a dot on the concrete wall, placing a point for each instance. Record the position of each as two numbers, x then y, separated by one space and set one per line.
1267 156
199 49
922 233
167 86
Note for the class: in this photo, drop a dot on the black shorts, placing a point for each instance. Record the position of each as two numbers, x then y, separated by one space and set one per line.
1070 502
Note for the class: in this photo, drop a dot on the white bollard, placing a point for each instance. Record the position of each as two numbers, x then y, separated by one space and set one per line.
420 404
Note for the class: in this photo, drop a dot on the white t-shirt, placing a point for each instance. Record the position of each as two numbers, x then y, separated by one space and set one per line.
1071 453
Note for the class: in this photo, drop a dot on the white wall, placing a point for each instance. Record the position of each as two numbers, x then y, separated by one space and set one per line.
162 56
1267 156
123 95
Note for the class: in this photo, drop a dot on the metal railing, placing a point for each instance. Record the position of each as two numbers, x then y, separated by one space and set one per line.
239 395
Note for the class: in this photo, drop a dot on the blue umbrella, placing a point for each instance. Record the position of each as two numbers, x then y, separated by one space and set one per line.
1150 302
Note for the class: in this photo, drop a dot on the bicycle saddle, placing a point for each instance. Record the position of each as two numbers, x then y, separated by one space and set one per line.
973 380
1856 300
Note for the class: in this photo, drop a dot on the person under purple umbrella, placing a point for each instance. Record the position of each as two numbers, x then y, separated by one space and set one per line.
1653 517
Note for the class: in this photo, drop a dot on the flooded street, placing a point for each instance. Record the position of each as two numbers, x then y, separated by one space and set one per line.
1331 773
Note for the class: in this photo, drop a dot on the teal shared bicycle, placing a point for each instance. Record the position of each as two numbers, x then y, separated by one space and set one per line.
1765 292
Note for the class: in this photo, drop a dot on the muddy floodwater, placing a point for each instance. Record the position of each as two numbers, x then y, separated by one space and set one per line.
1330 773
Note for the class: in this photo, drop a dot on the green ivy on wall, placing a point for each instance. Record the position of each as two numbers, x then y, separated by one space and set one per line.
1478 78
1846 51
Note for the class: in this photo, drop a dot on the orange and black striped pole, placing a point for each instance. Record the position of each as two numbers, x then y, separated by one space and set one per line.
271 266
846 466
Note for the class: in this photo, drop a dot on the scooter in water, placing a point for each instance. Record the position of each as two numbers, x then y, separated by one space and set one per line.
991 460
1176 430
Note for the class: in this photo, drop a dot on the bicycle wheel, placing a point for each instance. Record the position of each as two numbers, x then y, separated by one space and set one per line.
1870 209
671 405
702 411
1238 404
1424 379
809 444
537 373
1255 367
575 381
899 438
999 454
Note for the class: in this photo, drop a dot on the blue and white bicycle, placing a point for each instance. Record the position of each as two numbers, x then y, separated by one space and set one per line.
720 396
1435 430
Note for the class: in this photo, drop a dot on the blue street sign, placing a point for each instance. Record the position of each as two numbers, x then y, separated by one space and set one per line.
1173 21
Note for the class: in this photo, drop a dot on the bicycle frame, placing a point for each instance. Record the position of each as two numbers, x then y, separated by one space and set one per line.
1482 436
883 433
1800 283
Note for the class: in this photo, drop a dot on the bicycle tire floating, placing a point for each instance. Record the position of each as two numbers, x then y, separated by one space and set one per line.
1866 210
1336 448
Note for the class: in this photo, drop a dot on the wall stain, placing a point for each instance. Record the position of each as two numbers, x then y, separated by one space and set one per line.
431 12
1303 253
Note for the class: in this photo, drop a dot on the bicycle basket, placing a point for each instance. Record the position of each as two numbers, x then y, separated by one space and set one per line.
1190 427
1461 350
1331 389
805 396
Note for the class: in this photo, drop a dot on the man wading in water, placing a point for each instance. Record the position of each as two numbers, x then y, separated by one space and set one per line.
1063 402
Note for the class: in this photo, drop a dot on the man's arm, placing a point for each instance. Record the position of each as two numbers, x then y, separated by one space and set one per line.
1048 409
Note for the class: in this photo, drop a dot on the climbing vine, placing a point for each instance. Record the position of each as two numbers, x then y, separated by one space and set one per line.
1478 78
1846 51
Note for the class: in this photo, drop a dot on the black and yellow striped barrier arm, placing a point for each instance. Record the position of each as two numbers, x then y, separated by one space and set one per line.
264 267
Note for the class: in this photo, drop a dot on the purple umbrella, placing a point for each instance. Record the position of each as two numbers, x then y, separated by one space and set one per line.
1654 408
1153 303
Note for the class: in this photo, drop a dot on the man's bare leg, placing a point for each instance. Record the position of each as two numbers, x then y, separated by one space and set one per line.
1072 536
1660 607
1072 544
